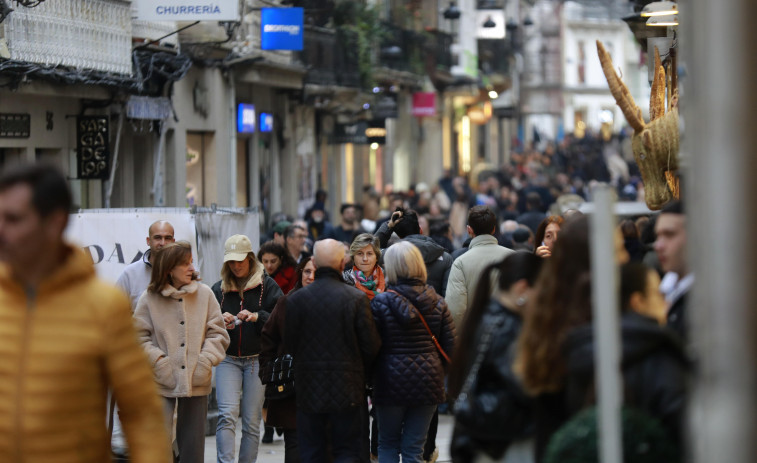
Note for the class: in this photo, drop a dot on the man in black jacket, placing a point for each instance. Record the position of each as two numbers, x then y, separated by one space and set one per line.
438 261
330 332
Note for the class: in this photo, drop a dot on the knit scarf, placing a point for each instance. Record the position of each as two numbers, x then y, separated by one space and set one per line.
370 285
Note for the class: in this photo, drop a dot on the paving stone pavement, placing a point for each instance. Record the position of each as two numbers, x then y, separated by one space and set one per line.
274 453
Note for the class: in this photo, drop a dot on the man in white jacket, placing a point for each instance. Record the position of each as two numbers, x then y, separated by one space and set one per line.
483 251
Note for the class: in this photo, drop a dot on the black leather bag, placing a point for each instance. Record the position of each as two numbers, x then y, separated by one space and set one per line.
279 378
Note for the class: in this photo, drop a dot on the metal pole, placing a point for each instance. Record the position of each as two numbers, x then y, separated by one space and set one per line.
606 326
157 182
718 101
115 158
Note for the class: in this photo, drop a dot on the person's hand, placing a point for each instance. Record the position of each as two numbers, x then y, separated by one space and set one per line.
543 251
247 316
394 219
228 319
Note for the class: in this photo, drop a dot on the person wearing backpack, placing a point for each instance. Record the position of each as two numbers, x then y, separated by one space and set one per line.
492 413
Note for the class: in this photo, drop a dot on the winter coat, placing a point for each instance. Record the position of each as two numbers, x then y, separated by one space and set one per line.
183 333
438 261
466 271
654 369
63 345
506 411
330 332
409 369
260 295
282 412
677 316
286 278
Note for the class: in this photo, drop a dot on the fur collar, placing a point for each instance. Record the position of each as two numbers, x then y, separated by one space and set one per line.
170 291
255 280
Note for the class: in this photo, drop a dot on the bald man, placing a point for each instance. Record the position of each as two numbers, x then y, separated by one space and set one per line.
136 275
331 334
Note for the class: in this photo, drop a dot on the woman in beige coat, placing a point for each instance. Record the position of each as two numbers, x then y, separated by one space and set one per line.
180 327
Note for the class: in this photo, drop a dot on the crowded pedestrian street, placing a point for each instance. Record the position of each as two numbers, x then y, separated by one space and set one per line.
378 231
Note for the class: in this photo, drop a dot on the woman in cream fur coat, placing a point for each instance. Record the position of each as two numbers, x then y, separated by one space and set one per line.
180 326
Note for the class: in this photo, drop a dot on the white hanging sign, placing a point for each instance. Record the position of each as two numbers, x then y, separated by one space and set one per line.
186 10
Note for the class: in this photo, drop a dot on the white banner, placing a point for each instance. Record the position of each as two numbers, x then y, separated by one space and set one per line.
186 10
116 239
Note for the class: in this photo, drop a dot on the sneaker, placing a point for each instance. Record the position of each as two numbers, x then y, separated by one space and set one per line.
434 456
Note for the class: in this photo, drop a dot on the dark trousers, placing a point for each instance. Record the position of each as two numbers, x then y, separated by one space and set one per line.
428 449
343 431
191 413
291 450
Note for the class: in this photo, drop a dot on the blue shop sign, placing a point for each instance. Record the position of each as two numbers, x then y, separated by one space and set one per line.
281 28
266 122
245 118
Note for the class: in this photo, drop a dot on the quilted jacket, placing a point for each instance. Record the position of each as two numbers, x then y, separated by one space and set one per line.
410 369
331 334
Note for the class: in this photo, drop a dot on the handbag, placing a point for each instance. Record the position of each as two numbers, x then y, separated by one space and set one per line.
433 338
279 378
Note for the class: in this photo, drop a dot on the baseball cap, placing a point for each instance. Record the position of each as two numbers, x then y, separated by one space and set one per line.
281 226
236 248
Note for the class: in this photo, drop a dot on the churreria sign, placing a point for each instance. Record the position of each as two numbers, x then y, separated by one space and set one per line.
281 28
183 10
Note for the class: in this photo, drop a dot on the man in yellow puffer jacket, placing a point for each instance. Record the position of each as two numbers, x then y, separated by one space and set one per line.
65 338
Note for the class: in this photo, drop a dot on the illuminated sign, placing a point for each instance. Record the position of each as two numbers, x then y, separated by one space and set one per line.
376 131
281 28
424 104
245 118
266 122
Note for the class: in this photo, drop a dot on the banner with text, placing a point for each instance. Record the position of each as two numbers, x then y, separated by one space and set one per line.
183 10
116 239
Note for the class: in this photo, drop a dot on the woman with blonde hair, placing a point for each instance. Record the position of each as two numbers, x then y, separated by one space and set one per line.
409 373
247 296
180 326
365 274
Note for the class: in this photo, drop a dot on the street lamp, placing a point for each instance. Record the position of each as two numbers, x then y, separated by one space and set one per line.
452 12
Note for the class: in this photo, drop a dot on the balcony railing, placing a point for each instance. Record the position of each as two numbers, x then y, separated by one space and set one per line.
330 57
494 56
83 34
442 45
403 50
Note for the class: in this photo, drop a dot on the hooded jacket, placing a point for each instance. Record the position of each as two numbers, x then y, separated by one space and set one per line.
409 369
63 345
259 295
654 368
183 333
438 261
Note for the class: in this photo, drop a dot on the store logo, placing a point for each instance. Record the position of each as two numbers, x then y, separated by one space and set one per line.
282 28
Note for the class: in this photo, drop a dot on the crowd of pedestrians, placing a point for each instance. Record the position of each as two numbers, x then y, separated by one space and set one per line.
349 339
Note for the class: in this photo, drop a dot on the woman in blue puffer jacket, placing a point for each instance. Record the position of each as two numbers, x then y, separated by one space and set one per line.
409 373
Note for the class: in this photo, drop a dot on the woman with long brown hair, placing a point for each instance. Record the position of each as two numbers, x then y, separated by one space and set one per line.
562 304
180 326
247 297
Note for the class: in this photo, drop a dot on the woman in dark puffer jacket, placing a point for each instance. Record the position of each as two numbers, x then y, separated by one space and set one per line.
409 372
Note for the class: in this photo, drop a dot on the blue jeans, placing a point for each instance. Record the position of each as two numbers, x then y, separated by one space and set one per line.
238 387
402 431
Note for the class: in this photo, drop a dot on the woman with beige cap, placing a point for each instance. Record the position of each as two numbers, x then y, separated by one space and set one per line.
247 296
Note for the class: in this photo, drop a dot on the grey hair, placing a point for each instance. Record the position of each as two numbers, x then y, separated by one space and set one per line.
365 239
404 260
